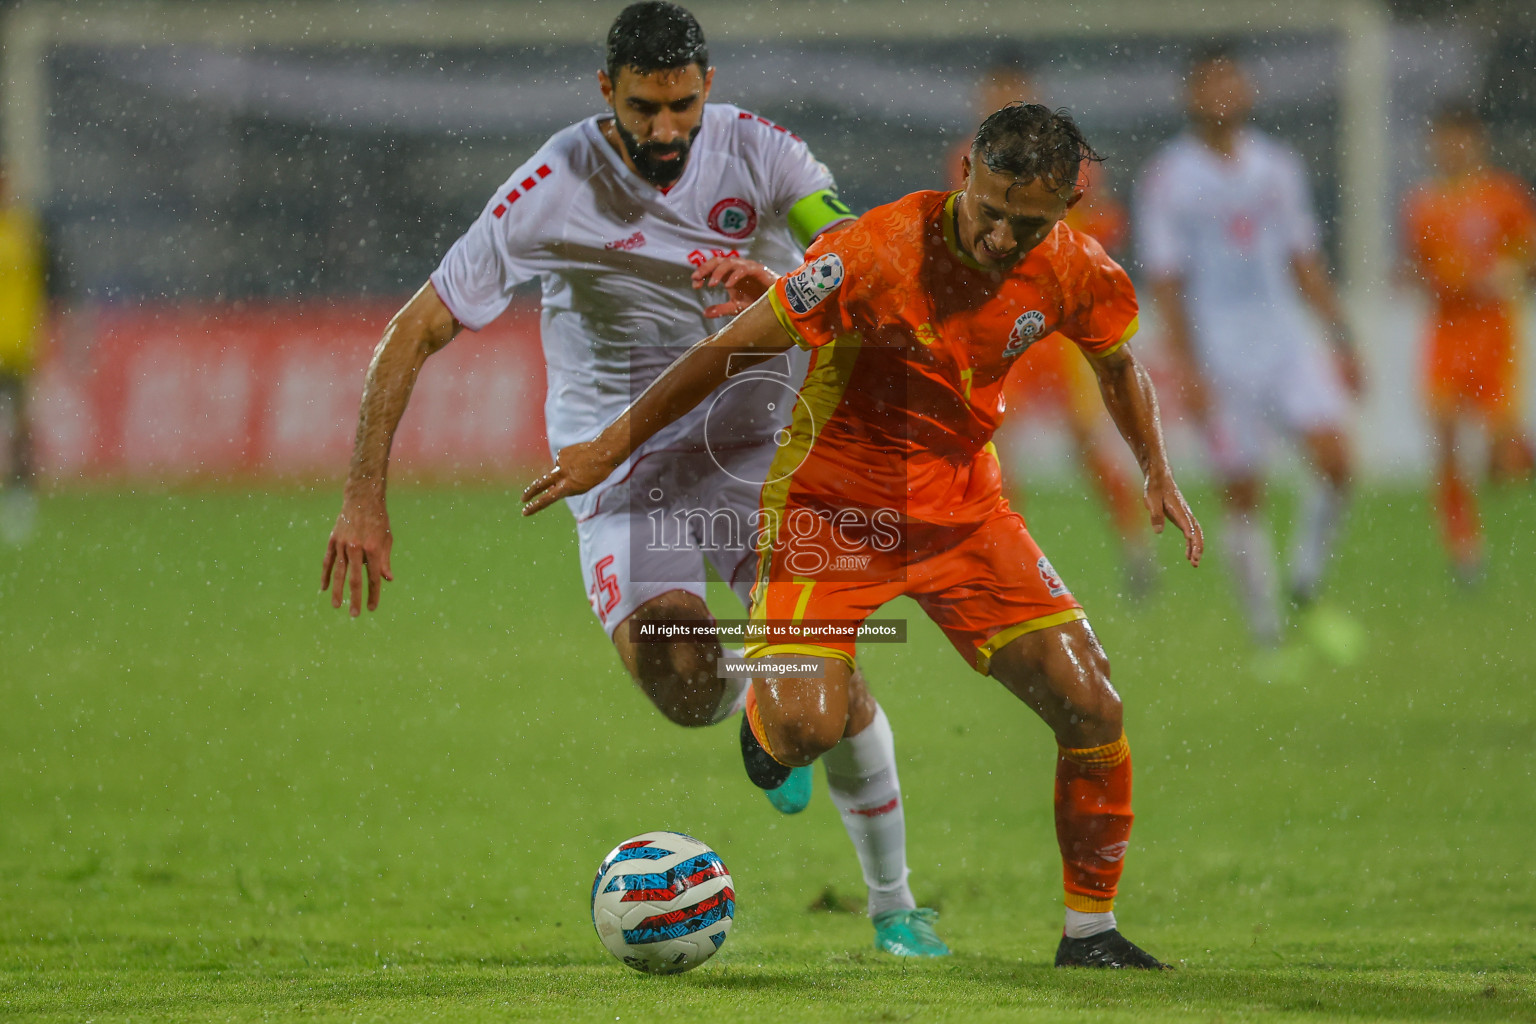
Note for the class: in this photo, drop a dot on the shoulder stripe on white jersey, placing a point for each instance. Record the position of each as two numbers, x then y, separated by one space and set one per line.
527 184
742 115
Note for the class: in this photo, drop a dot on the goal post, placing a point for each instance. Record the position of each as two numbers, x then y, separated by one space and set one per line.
873 84
34 28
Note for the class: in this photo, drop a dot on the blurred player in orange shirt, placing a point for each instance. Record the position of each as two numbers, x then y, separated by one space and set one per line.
1055 379
1470 232
886 482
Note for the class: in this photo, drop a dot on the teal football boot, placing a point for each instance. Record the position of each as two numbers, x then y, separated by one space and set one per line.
794 795
909 933
788 789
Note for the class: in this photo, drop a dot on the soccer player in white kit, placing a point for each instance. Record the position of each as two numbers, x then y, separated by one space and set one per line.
629 220
1229 239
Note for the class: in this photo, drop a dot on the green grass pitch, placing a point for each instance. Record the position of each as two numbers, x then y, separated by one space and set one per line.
221 800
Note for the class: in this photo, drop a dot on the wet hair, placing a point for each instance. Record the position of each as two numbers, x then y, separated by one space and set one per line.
1457 114
655 36
1031 142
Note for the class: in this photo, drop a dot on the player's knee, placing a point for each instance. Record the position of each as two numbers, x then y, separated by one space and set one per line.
1338 472
1097 701
1333 460
1090 713
1103 713
1242 496
799 741
682 688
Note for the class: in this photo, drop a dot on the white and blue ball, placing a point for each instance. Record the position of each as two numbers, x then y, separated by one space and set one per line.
663 902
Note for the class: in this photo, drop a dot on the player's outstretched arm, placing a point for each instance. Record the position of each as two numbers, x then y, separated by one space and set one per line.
1313 283
1168 294
361 540
683 385
1132 402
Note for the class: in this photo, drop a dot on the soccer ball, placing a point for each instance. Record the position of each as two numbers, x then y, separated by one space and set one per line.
662 902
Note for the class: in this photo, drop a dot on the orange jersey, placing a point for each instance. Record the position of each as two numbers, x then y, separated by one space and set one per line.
911 341
1469 240
1460 232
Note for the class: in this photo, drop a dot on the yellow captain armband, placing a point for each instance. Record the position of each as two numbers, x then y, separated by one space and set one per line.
815 213
1130 332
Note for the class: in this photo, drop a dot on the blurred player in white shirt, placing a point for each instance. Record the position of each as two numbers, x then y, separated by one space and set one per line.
1229 240
630 220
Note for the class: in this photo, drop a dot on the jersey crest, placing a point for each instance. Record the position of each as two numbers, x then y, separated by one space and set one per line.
1048 576
733 218
813 282
1026 331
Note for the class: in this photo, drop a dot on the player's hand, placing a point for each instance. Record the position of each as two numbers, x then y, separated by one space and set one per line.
1164 502
1350 371
745 281
578 468
359 546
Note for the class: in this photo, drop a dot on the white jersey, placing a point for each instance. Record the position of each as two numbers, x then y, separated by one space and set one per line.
1229 229
614 256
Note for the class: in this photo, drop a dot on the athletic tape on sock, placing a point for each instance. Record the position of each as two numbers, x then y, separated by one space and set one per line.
864 786
1108 756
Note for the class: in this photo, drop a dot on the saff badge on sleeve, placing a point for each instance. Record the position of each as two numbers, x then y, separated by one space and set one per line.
807 287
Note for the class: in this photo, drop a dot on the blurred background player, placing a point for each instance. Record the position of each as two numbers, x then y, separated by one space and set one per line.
1053 378
22 307
617 216
1470 235
1229 240
903 395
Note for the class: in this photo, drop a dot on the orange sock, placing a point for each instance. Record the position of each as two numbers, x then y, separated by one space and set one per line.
1093 821
1460 524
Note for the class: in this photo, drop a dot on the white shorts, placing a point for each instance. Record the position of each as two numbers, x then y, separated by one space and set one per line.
1298 395
650 533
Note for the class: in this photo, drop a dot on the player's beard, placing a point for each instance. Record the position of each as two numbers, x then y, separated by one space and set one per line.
645 156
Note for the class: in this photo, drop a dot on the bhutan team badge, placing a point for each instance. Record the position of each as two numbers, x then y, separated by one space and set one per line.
806 287
733 218
1026 331
1052 581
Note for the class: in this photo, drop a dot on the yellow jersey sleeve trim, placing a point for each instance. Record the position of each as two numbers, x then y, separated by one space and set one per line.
1130 332
784 318
985 652
814 214
766 650
950 238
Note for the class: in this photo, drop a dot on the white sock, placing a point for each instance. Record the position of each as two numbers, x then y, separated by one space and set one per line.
861 779
734 699
1082 926
1253 559
1315 533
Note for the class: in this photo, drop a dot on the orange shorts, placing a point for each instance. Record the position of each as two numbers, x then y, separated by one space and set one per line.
982 585
1473 366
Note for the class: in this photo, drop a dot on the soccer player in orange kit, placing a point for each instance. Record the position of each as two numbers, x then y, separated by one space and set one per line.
886 482
1055 379
1470 232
